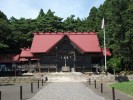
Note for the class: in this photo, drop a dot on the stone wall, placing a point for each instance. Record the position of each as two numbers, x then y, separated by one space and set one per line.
18 79
111 78
102 78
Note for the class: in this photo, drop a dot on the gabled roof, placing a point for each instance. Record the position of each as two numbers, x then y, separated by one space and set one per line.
42 43
25 53
85 41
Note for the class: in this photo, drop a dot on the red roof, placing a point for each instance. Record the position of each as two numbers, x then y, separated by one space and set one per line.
108 53
44 42
9 58
26 53
85 41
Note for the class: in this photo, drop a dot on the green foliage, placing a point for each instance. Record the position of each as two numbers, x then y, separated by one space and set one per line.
3 16
21 32
4 31
119 33
92 20
48 22
114 63
69 23
41 14
126 87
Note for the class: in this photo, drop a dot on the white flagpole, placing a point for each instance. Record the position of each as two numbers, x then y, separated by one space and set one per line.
105 60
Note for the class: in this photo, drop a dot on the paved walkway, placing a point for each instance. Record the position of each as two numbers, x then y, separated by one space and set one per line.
66 91
75 86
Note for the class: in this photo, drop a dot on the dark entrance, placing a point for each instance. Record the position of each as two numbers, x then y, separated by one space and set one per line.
64 51
65 61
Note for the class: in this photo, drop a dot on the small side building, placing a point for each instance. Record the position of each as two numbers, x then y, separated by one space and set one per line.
9 64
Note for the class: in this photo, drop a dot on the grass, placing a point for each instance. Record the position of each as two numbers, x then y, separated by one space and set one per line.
126 87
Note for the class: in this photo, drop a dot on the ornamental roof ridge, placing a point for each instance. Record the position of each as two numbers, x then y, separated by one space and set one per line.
65 33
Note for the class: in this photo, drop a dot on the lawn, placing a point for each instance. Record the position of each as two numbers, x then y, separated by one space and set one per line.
126 87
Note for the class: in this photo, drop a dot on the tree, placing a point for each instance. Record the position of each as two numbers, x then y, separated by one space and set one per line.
114 63
41 14
21 32
3 16
49 22
69 23
92 20
118 25
4 31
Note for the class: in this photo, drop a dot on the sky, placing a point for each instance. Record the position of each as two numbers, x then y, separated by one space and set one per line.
62 8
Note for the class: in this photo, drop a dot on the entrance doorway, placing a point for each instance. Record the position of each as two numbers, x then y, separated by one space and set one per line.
65 62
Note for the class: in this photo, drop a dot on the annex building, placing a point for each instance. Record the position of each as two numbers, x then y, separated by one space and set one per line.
65 51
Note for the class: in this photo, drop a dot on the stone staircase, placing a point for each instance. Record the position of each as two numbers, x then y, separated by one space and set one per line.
66 77
77 77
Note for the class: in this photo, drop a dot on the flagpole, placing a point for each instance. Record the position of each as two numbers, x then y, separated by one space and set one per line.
105 59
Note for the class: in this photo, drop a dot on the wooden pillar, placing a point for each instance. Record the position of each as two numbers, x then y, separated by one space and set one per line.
56 59
83 69
39 69
74 54
89 61
56 65
29 62
29 59
97 69
48 68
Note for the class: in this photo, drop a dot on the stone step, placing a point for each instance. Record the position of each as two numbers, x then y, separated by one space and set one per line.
67 77
77 77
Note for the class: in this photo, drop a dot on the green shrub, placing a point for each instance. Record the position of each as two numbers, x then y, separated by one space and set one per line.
114 63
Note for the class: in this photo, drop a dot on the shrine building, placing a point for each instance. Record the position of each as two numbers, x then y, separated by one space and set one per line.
66 52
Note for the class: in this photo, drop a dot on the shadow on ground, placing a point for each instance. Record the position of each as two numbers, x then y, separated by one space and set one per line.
6 84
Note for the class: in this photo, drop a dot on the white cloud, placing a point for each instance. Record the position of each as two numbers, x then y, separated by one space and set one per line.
62 8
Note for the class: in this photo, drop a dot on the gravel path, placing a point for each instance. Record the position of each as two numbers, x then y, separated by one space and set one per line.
66 91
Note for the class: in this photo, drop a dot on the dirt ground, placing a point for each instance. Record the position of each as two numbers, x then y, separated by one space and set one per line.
12 91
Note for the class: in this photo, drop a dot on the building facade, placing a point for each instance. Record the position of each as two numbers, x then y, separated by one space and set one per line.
66 51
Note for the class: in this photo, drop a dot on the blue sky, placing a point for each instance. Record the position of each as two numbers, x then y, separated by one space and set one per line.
62 8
